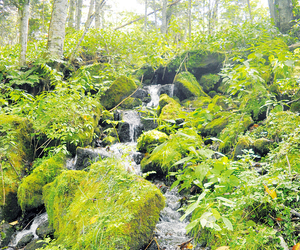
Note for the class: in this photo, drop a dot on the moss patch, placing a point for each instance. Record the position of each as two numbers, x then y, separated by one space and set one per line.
131 103
186 86
106 208
209 82
30 191
169 108
164 156
215 127
120 89
149 140
244 142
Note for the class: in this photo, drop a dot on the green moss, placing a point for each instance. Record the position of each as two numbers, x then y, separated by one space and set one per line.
15 154
261 146
209 82
146 72
238 124
131 103
120 89
199 102
30 191
164 156
168 108
149 140
187 86
215 127
244 142
106 208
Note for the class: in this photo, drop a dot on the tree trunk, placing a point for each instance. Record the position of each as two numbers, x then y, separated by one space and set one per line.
282 13
190 18
78 14
24 13
71 17
155 16
249 8
56 34
97 14
145 21
164 17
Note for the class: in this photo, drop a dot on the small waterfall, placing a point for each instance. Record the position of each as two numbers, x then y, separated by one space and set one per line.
154 93
134 121
38 220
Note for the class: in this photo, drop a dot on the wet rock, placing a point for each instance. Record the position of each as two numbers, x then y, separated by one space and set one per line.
25 240
44 230
140 93
137 157
149 140
36 244
6 232
167 89
85 156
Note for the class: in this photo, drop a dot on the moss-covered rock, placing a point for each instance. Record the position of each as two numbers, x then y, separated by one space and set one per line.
164 156
198 62
261 146
6 232
106 208
215 127
149 140
238 124
15 156
119 90
209 82
187 86
131 103
169 108
243 143
30 191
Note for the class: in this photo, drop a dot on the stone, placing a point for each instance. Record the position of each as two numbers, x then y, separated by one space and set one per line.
6 232
44 230
25 240
36 244
149 140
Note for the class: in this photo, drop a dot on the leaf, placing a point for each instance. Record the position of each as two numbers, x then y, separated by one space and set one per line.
216 213
193 206
271 192
228 224
296 247
191 225
183 160
222 248
93 220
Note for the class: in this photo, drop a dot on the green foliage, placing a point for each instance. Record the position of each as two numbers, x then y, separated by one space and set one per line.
30 191
149 140
108 208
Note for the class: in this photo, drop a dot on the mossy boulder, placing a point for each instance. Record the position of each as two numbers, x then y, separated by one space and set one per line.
244 143
261 146
238 125
6 233
36 244
215 127
168 108
30 191
149 140
175 148
106 208
210 82
131 103
16 154
119 90
199 102
187 86
198 62
45 230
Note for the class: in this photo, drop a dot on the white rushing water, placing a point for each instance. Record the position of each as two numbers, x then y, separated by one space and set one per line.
133 118
154 93
38 220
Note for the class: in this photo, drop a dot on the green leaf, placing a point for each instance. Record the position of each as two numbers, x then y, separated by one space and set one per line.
228 224
215 213
191 225
183 160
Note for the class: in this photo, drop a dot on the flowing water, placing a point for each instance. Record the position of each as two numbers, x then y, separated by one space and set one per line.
38 220
133 119
154 93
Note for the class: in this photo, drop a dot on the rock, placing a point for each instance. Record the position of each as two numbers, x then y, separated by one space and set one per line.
16 152
30 191
149 140
119 90
169 108
44 230
243 143
85 156
36 244
137 157
210 82
219 122
6 232
141 94
119 210
146 72
162 160
131 103
261 146
25 240
197 62
186 86
167 89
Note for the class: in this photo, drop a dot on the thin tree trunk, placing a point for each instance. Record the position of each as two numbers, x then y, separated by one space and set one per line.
272 9
78 14
145 22
249 8
155 16
215 14
25 12
56 35
164 17
190 18
71 17
97 14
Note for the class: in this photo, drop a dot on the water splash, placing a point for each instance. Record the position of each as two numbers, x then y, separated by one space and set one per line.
154 94
133 119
